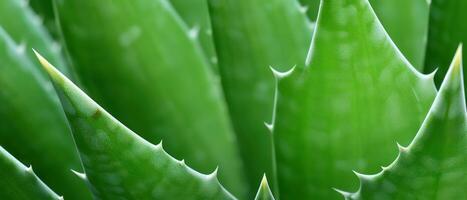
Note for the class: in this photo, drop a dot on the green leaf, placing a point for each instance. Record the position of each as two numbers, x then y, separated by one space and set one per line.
33 125
447 28
138 60
407 23
250 36
434 165
120 164
264 192
20 182
26 28
196 15
345 110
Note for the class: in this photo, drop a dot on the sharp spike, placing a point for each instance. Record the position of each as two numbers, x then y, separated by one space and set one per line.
269 126
194 32
343 193
21 48
80 175
303 9
29 169
401 148
281 75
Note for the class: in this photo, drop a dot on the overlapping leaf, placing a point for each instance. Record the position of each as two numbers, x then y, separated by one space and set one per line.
434 165
346 109
19 182
32 124
447 28
138 60
250 36
118 163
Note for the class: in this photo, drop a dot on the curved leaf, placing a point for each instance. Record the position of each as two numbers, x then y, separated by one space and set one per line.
136 58
250 36
20 182
118 163
32 123
357 93
264 192
434 165
447 28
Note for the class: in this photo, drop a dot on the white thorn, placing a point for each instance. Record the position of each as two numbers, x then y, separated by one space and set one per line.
343 193
303 9
269 126
281 75
182 162
363 176
384 168
29 169
214 173
432 75
60 198
193 32
80 175
401 148
21 48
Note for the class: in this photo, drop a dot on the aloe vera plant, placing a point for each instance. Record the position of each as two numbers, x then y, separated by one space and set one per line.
204 99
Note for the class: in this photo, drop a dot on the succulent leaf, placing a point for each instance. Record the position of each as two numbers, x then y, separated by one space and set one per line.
357 93
264 192
434 165
120 164
250 36
447 29
33 126
137 59
19 182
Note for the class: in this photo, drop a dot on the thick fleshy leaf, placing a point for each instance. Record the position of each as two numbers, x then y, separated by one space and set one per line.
33 126
357 93
434 165
26 28
406 21
447 28
19 182
264 192
196 15
138 60
250 36
120 164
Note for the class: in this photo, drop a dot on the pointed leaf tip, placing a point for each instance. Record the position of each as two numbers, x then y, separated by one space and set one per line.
264 192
